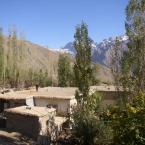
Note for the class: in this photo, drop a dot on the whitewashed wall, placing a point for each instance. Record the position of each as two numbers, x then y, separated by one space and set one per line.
63 105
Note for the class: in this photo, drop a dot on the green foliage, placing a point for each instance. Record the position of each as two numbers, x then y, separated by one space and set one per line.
127 119
49 82
116 60
86 122
127 122
1 56
12 61
95 80
82 66
133 67
64 71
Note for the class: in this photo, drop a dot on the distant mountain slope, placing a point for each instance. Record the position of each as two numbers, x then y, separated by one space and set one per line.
38 57
100 51
104 74
34 57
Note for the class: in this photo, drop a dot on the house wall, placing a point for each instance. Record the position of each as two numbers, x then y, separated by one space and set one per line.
1 105
62 105
4 104
45 120
27 125
17 103
110 97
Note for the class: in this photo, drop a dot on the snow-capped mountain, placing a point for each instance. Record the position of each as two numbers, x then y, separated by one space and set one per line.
100 51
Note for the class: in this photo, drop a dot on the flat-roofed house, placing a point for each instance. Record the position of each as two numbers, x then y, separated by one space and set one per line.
33 121
62 99
12 99
109 94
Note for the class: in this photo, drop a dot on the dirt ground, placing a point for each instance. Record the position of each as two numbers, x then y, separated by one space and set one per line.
14 138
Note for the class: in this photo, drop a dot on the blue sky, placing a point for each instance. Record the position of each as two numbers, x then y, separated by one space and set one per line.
52 22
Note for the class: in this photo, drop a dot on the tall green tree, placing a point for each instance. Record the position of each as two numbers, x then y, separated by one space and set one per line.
115 62
82 66
127 121
133 67
64 71
1 56
14 48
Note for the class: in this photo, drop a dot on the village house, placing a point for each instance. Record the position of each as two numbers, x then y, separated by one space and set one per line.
109 94
42 113
12 99
62 99
34 121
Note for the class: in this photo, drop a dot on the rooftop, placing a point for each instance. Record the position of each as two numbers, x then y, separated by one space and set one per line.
105 88
53 92
14 96
31 111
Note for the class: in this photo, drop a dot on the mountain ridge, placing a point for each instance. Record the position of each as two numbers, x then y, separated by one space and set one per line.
100 51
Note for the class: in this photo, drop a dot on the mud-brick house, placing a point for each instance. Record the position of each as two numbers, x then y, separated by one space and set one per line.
33 121
109 94
62 105
62 99
12 99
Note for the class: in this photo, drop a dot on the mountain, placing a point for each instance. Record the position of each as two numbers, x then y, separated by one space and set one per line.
37 57
100 51
31 57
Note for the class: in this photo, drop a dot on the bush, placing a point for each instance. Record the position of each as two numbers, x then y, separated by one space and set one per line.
128 123
87 124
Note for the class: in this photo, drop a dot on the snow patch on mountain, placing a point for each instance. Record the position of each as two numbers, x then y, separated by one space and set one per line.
100 51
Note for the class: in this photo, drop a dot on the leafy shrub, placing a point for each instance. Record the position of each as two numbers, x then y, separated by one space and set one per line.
87 124
128 123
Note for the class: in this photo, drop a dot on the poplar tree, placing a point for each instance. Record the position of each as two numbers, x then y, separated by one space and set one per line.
82 66
1 56
64 71
15 57
9 62
115 63
133 67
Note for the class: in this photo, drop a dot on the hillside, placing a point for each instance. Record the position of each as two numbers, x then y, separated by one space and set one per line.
28 59
104 74
32 58
38 57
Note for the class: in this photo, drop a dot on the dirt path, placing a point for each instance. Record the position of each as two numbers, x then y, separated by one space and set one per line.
13 138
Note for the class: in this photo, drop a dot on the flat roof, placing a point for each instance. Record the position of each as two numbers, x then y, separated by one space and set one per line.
31 111
14 96
105 88
54 92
